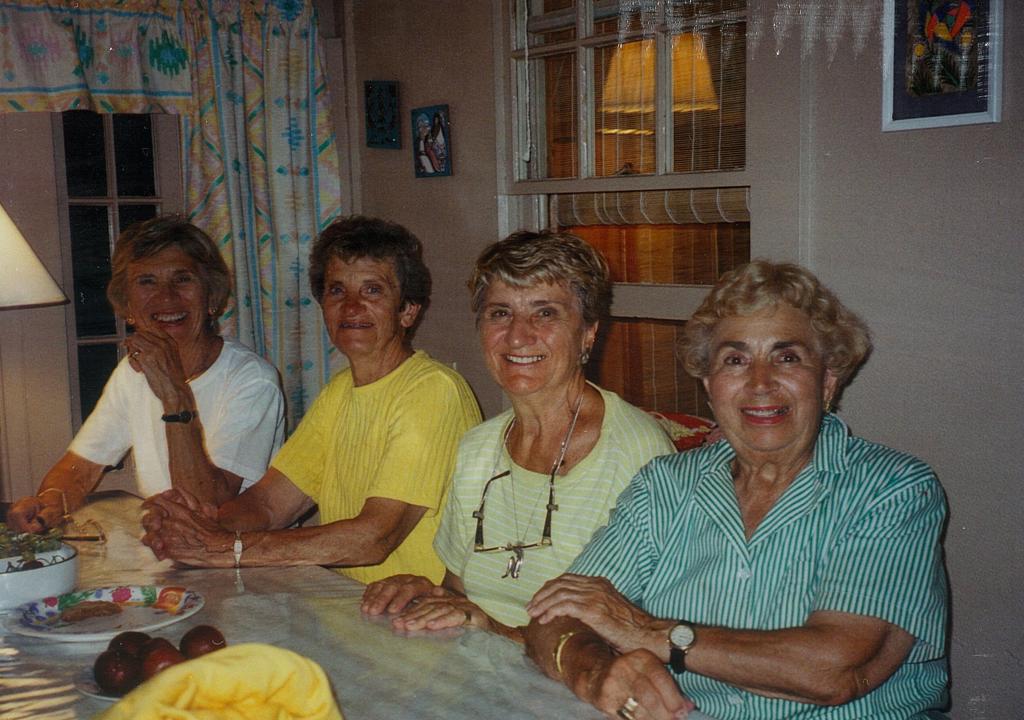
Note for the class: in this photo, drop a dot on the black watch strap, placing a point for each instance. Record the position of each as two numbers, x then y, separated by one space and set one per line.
184 416
677 660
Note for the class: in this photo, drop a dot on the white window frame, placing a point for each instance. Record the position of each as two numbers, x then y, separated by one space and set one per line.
524 203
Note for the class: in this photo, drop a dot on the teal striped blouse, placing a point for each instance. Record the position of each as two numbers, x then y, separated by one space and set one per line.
857 531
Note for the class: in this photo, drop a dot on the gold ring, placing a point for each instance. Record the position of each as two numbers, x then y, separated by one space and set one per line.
628 708
136 353
469 618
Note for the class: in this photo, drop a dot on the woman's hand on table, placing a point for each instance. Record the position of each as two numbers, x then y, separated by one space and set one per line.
32 515
596 602
393 594
181 528
440 612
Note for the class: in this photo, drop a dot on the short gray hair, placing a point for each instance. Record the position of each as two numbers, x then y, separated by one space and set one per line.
526 258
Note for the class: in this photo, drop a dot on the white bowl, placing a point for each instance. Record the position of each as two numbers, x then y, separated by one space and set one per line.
58 575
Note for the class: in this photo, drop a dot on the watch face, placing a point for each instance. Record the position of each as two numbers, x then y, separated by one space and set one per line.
681 636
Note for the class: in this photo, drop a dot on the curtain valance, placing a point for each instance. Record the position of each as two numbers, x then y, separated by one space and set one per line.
103 56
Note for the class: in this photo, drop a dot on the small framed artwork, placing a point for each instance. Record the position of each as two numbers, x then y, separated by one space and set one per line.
431 141
382 120
942 63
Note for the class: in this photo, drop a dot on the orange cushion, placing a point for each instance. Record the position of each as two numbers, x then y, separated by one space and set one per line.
686 431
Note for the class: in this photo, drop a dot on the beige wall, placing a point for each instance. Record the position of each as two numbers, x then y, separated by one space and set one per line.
439 54
918 231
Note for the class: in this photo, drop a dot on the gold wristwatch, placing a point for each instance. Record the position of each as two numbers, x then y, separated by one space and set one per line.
681 639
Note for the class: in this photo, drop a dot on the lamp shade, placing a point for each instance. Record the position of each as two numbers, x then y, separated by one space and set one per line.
629 84
24 282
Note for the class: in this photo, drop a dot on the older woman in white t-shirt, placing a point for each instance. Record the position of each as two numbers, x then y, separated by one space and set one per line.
532 484
199 412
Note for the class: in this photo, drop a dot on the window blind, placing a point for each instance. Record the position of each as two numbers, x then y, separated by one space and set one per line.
698 205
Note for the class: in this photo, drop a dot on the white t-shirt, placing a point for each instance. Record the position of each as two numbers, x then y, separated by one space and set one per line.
239 402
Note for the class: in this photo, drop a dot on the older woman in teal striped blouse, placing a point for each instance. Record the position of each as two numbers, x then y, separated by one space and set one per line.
793 570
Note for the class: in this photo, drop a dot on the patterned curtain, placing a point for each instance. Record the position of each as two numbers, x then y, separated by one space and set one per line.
260 155
262 175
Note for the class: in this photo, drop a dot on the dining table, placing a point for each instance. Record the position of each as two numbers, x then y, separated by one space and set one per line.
375 672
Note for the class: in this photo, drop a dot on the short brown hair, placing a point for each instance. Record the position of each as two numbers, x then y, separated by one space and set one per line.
155 235
526 258
357 236
843 338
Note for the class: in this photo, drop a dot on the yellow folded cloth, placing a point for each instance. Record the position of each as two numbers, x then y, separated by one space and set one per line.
251 681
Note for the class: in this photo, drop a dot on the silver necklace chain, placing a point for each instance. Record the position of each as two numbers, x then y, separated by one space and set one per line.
562 450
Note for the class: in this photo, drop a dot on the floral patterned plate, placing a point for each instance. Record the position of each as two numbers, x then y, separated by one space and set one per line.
143 608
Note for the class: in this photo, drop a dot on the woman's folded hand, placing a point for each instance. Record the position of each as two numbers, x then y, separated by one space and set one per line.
181 528
31 515
596 602
636 680
440 612
393 594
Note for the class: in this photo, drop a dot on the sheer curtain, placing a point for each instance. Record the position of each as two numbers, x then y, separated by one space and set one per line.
261 166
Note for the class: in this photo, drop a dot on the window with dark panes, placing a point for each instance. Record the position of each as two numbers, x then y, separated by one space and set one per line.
111 181
651 96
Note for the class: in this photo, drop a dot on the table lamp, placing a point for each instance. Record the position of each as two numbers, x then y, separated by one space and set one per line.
629 84
24 282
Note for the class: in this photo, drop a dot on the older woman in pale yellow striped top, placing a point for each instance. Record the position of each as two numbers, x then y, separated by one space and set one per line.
532 484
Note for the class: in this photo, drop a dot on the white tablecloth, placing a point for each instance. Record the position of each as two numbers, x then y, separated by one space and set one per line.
376 674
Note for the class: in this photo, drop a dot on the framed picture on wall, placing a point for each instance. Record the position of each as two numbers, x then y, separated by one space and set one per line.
383 124
942 63
431 141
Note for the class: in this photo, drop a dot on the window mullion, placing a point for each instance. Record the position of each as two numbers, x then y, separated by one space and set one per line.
663 104
537 119
585 89
585 103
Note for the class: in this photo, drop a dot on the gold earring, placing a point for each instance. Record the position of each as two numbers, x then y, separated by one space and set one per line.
828 405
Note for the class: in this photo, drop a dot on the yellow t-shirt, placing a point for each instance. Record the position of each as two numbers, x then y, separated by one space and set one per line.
395 438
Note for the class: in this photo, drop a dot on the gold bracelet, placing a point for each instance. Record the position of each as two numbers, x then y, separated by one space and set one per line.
63 499
236 548
562 640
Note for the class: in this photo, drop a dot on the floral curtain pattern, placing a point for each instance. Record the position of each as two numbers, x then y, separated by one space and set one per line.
261 166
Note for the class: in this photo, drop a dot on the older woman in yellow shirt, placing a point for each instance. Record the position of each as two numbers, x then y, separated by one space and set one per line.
376 450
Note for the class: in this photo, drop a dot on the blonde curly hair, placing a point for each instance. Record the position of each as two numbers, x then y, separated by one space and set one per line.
843 339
